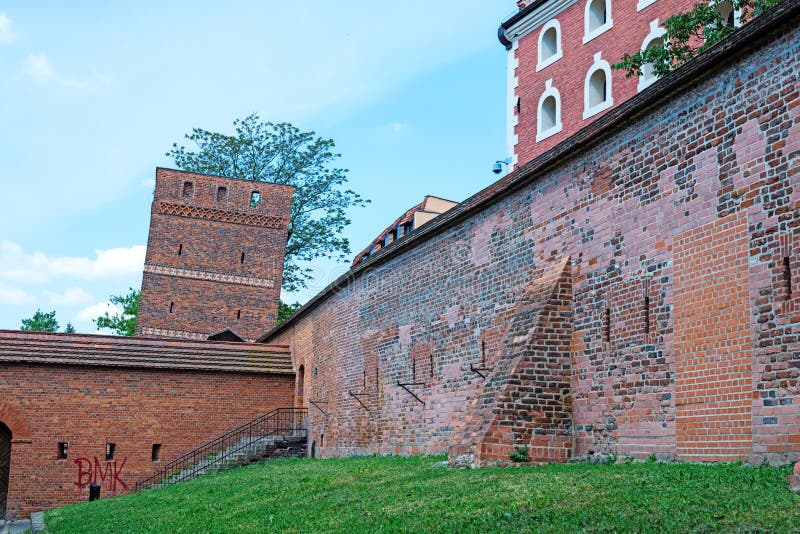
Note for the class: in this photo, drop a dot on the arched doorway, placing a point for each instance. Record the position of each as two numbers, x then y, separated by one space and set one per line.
5 466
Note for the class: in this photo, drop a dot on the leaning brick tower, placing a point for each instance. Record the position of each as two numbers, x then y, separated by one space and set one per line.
214 256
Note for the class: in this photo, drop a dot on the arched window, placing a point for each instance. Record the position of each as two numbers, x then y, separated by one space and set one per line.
597 19
597 88
653 38
548 115
549 44
730 16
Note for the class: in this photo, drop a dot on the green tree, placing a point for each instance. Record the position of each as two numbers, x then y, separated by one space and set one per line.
69 329
281 153
122 324
688 34
287 310
41 322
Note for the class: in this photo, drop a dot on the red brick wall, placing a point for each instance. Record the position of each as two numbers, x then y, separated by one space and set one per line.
89 406
721 153
713 352
194 257
568 74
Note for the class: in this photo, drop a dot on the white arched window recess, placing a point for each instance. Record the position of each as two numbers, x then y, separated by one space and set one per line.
653 38
597 88
641 4
730 16
549 44
548 114
597 19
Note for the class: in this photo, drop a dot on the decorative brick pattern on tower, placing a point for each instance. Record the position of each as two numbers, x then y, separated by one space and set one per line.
214 256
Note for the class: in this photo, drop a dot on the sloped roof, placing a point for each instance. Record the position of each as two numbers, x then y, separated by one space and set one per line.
143 353
403 219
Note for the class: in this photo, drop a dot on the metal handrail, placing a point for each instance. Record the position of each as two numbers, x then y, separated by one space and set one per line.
281 421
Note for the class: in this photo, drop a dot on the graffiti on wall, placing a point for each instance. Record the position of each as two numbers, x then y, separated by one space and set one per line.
90 472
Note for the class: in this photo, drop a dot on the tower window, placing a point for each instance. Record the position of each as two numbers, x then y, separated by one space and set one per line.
549 44
171 307
597 19
180 249
647 315
653 39
607 326
156 453
241 259
597 88
255 198
239 314
62 450
549 113
222 194
111 448
188 189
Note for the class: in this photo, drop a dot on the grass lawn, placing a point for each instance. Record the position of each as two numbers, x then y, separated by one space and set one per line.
394 494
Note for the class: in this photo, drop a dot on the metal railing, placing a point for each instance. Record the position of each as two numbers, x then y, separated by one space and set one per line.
281 422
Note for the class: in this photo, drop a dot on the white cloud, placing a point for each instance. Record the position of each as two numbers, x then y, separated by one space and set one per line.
12 295
19 266
84 319
5 29
398 127
73 296
40 69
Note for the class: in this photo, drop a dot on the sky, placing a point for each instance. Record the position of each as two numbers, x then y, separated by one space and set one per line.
93 94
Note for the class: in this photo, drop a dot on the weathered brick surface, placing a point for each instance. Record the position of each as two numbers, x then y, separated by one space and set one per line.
526 401
677 224
89 406
213 261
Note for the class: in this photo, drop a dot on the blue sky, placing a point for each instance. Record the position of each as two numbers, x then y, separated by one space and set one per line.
92 94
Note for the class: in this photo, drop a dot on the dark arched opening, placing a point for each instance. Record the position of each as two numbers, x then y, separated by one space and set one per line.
5 466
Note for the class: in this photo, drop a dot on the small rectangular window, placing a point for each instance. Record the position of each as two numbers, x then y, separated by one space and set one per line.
111 448
180 249
647 315
171 307
239 314
255 198
156 454
222 194
188 189
241 260
62 450
607 326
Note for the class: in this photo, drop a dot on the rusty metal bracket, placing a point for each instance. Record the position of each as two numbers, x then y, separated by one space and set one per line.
410 384
480 370
356 397
316 404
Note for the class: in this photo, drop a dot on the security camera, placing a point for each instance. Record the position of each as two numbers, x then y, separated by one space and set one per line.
497 168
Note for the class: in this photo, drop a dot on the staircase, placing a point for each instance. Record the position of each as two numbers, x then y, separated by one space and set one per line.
280 433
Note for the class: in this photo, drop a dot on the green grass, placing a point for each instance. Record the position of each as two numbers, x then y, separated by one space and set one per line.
393 494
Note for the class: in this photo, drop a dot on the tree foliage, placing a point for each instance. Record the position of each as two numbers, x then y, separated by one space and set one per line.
286 310
122 324
281 153
41 322
69 329
688 34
